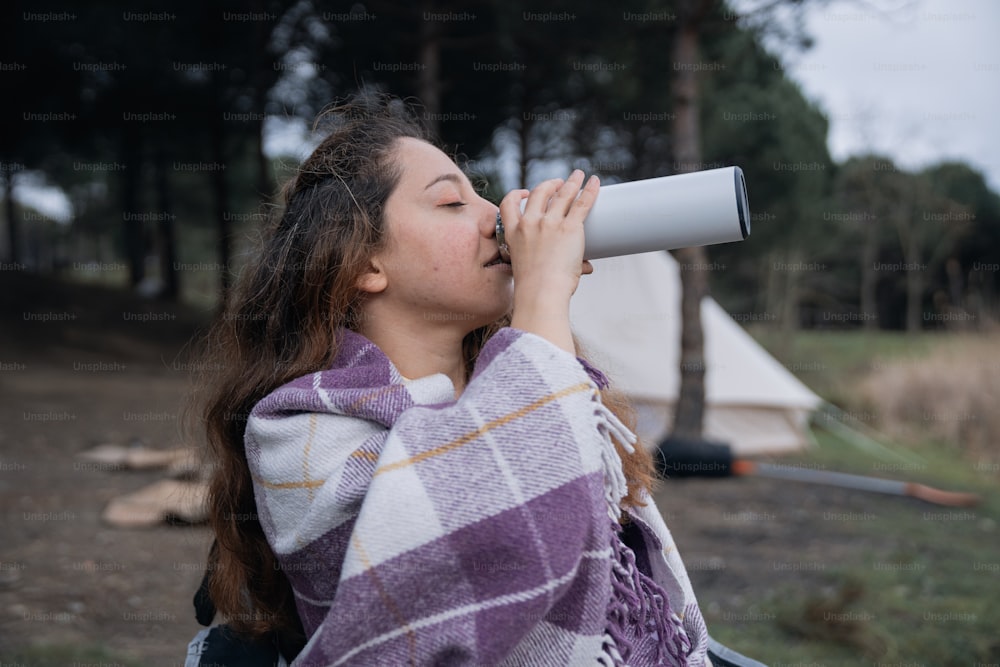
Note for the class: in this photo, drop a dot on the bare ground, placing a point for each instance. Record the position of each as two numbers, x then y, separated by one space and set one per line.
78 370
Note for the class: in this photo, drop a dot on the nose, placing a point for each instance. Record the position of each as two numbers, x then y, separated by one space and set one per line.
488 218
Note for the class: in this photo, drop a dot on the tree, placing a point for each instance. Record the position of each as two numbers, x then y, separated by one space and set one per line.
906 225
699 21
42 123
754 116
973 273
686 134
920 218
863 208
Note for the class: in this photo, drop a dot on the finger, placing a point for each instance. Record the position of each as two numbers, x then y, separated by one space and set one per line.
510 208
538 200
585 201
566 194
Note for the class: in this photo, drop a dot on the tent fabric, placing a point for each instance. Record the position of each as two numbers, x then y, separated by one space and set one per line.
626 316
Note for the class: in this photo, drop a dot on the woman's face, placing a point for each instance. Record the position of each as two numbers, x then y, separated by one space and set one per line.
440 263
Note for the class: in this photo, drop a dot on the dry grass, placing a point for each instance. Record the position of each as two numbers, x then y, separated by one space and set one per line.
951 395
833 617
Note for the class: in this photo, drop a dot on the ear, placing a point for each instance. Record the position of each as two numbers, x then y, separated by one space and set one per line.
374 279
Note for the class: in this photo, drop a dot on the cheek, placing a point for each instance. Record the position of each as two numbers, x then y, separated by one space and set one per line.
443 251
453 252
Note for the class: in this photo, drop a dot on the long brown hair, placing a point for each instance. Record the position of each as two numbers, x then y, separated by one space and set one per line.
289 301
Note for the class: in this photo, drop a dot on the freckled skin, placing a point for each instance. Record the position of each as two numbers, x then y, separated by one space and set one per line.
438 276
428 223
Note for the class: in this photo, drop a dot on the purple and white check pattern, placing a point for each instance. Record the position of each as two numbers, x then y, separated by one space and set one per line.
416 529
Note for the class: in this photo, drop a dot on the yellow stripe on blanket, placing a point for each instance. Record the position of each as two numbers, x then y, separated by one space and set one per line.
307 484
485 428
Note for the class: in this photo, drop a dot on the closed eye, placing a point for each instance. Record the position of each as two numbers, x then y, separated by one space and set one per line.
455 204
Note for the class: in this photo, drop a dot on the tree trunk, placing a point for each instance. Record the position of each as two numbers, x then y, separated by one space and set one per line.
914 283
430 71
523 134
868 296
265 185
908 229
953 269
133 231
790 302
772 283
690 409
13 228
220 200
689 413
167 231
220 189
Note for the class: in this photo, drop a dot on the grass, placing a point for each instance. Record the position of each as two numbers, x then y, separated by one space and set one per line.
923 590
830 362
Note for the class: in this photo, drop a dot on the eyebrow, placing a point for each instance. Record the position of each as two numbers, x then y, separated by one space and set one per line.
455 178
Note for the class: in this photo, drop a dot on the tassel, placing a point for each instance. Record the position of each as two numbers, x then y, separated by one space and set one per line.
640 603
637 601
615 484
610 657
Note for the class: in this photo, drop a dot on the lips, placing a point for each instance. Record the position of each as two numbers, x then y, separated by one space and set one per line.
496 260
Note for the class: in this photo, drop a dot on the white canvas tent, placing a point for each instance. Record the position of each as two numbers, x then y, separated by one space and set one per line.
627 317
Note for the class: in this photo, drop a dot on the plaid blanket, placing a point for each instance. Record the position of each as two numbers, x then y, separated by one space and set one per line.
416 529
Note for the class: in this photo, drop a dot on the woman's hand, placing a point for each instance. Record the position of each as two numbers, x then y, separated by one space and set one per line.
546 248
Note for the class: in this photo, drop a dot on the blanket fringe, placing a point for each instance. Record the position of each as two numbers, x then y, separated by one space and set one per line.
610 656
611 429
637 601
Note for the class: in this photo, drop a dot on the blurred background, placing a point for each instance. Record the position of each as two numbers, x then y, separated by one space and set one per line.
142 144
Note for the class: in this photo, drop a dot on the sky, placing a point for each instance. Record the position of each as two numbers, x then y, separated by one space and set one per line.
915 80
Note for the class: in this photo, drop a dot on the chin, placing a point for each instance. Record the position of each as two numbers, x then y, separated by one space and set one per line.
485 321
487 318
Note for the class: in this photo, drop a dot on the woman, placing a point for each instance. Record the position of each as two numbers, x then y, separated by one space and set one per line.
412 459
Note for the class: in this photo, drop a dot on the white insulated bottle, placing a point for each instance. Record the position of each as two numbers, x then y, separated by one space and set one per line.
681 211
